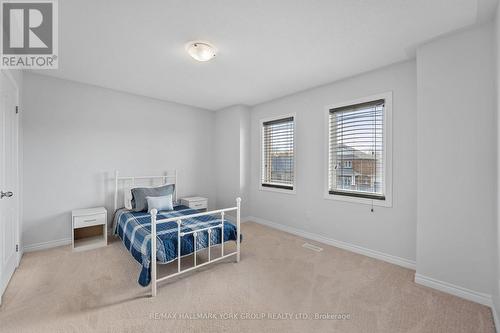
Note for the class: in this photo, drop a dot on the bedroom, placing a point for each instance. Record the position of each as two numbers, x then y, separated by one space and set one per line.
331 141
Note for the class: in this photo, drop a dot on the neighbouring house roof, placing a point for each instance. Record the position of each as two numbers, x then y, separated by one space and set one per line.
350 153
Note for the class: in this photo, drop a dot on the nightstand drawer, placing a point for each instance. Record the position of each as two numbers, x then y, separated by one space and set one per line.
195 202
198 205
89 220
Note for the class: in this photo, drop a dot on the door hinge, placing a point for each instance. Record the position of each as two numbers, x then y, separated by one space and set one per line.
17 109
17 247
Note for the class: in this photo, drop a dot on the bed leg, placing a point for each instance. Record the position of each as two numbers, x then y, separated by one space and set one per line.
153 252
238 231
222 234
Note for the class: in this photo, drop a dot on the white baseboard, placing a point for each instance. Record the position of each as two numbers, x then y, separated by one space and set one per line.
496 320
411 264
446 287
471 295
67 241
246 219
46 245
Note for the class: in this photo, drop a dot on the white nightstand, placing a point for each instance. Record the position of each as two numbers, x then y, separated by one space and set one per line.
198 203
89 228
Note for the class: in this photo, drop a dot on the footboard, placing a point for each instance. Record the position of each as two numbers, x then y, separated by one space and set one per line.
180 234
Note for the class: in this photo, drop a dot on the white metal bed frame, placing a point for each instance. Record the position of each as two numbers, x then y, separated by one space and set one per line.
179 220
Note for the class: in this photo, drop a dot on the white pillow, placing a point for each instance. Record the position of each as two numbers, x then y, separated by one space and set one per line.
127 197
160 203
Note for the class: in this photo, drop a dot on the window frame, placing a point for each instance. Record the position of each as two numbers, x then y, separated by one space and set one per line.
387 158
261 154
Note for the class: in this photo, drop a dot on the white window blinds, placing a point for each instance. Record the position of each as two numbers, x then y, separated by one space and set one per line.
278 153
356 154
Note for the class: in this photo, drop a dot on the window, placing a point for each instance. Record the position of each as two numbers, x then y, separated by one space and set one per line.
278 153
346 181
358 151
347 164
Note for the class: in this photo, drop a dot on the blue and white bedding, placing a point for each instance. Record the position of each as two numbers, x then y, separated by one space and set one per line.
134 228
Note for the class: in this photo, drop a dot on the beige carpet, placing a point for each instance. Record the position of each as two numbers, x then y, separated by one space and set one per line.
278 286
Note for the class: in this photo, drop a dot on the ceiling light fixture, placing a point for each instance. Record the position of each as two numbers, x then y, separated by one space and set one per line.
201 51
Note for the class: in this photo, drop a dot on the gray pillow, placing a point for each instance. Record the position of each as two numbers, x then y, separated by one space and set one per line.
139 194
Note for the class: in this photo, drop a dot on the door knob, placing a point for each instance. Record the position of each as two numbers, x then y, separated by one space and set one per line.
5 194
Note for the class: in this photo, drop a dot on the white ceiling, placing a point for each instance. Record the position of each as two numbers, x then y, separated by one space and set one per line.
267 48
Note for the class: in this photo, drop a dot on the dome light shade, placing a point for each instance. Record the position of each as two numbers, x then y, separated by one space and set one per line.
201 51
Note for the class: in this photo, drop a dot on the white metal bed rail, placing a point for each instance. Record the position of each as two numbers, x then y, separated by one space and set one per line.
180 234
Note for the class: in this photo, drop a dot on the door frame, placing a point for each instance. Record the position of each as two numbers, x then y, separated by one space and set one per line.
9 76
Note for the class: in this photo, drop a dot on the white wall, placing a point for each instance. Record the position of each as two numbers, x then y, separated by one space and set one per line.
76 135
496 255
18 77
457 159
232 156
245 161
387 230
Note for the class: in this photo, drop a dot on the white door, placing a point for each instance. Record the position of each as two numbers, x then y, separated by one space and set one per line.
9 180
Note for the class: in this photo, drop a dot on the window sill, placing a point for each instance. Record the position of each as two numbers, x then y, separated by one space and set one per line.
277 190
356 200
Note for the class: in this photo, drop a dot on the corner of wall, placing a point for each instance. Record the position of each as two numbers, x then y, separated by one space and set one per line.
232 156
244 167
496 257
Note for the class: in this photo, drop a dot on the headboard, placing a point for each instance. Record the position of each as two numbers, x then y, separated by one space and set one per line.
169 177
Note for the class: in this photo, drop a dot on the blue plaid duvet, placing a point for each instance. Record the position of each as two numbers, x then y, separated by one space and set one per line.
134 228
